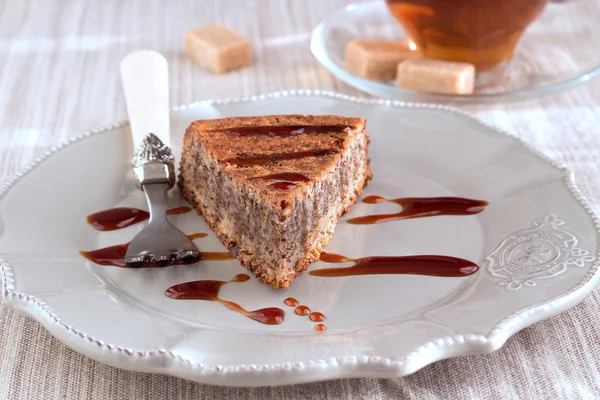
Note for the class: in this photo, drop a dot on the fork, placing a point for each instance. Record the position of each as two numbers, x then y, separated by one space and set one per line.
145 82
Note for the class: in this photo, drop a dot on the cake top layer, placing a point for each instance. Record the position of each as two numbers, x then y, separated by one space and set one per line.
277 155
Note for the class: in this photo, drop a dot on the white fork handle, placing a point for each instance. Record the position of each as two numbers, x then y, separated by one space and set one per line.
145 80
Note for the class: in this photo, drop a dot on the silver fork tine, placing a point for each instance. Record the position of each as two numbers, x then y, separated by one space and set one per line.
159 242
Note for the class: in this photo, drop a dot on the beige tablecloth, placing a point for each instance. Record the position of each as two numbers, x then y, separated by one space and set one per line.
59 76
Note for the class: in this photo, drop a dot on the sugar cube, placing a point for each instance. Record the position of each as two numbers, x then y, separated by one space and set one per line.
436 76
376 59
218 48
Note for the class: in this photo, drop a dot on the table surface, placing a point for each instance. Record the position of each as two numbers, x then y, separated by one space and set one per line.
59 76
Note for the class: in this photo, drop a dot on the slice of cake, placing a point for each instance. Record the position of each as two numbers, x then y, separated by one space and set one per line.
272 187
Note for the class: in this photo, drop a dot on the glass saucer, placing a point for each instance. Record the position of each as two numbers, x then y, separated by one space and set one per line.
558 51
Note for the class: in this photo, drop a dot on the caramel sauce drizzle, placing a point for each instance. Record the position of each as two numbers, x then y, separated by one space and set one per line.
122 217
115 256
431 265
284 176
418 207
262 159
282 185
284 131
208 290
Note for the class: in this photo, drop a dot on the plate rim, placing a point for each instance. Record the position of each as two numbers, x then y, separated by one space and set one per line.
364 85
336 367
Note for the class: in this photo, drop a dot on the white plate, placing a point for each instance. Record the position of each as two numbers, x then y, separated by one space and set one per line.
558 51
380 326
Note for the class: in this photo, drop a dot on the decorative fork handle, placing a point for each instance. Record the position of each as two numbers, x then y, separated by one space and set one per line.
153 162
146 86
145 79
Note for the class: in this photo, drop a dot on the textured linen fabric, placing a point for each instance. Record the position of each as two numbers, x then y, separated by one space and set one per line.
59 76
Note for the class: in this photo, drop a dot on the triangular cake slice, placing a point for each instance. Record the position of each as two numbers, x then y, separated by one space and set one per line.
272 187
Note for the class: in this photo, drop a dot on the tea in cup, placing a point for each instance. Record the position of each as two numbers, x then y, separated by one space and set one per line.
481 32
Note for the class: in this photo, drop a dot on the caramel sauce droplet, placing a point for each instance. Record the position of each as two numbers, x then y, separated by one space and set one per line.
292 302
302 310
316 317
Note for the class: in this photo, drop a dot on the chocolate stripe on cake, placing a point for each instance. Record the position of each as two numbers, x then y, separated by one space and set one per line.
284 176
283 131
262 159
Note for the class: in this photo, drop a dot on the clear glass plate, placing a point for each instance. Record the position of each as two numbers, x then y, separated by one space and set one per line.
558 51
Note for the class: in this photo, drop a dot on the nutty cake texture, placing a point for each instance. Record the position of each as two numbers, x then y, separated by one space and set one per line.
272 187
